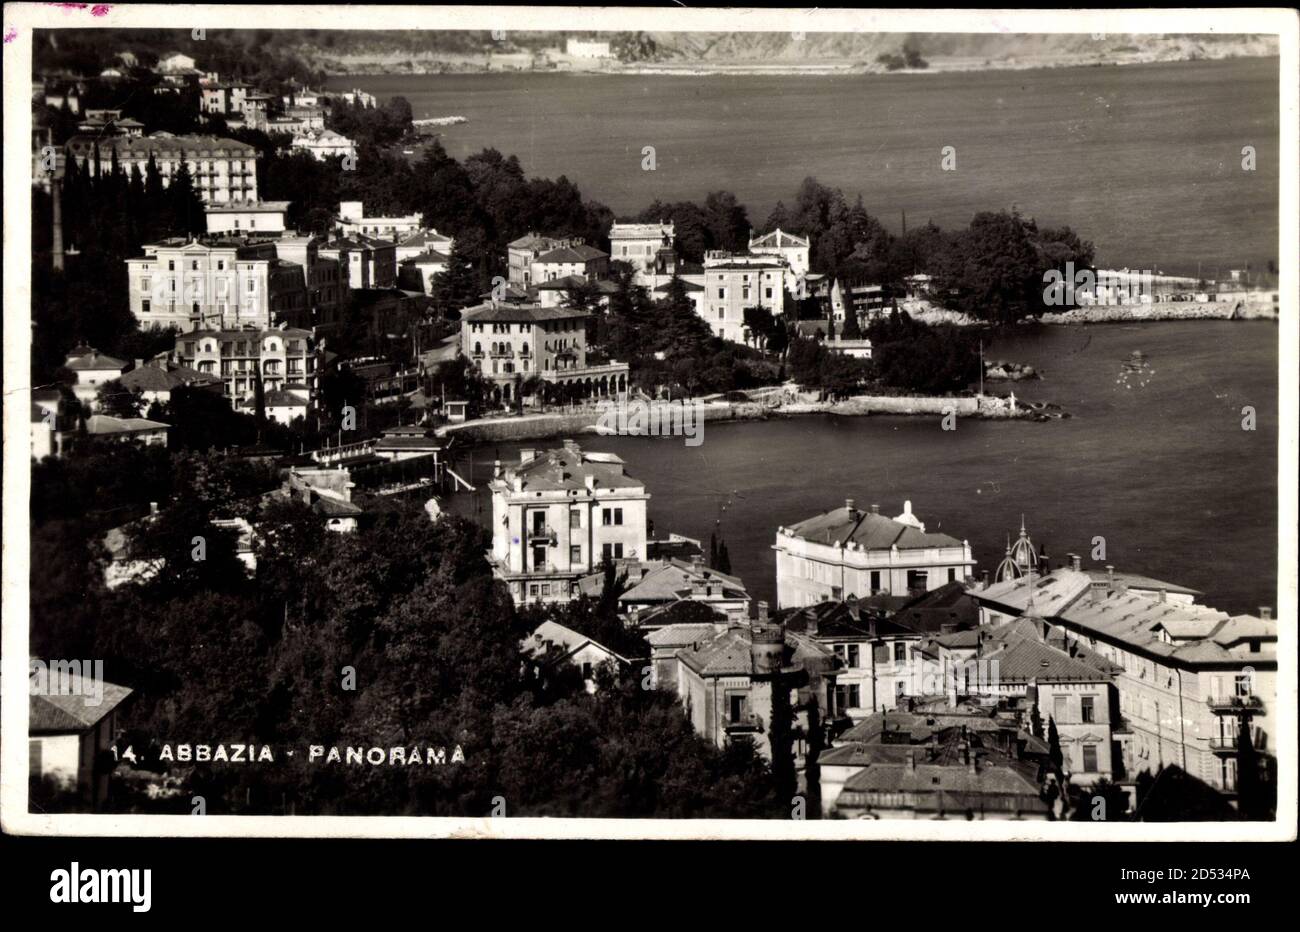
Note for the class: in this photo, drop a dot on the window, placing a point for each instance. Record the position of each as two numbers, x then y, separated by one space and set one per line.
1060 708
171 265
607 551
144 306
722 293
852 658
952 574
1090 758
768 292
875 581
848 696
575 554
722 313
916 579
194 265
144 284
575 518
611 516
737 707
1087 711
618 551
900 652
221 263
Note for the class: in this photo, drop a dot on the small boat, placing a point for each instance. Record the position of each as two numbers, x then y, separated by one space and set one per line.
1136 362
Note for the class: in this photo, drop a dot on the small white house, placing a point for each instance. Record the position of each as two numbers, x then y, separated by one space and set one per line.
574 648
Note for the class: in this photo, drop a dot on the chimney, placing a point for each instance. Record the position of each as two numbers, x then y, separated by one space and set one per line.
848 504
1110 577
571 446
1076 562
139 363
875 509
984 579
762 613
1265 613
519 483
527 456
589 481
496 470
153 508
1164 594
811 626
697 561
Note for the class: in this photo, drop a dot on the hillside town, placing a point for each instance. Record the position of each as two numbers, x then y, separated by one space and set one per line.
274 327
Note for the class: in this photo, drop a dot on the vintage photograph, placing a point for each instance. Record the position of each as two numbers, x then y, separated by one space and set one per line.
623 415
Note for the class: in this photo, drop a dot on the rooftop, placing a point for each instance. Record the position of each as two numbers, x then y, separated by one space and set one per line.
493 312
869 530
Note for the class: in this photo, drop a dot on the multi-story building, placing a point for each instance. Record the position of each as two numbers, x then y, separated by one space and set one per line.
223 170
244 218
639 243
352 220
557 515
728 681
733 283
422 241
523 252
782 245
324 277
228 283
224 99
880 641
325 144
847 551
509 342
416 272
1190 676
578 260
1048 681
370 263
284 358
297 121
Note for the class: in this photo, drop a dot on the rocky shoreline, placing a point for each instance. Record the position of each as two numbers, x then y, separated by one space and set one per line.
558 424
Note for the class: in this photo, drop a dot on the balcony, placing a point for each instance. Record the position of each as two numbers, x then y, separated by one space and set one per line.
747 724
1235 705
1227 744
542 533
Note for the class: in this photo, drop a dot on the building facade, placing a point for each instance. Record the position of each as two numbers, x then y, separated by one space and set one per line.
508 342
847 551
639 243
732 284
557 515
284 359
223 170
1189 676
227 283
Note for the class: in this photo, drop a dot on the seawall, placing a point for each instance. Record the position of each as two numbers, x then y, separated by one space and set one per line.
562 424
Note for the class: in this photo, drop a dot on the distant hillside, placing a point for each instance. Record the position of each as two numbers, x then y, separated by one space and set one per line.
416 52
303 53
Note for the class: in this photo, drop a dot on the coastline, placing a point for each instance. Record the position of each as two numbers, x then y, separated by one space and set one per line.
559 424
398 64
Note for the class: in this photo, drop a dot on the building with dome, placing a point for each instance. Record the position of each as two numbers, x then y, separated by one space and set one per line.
1021 558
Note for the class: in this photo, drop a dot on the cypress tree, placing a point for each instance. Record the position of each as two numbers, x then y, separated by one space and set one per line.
1054 748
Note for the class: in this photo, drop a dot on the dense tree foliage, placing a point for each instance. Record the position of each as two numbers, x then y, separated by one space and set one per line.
394 636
